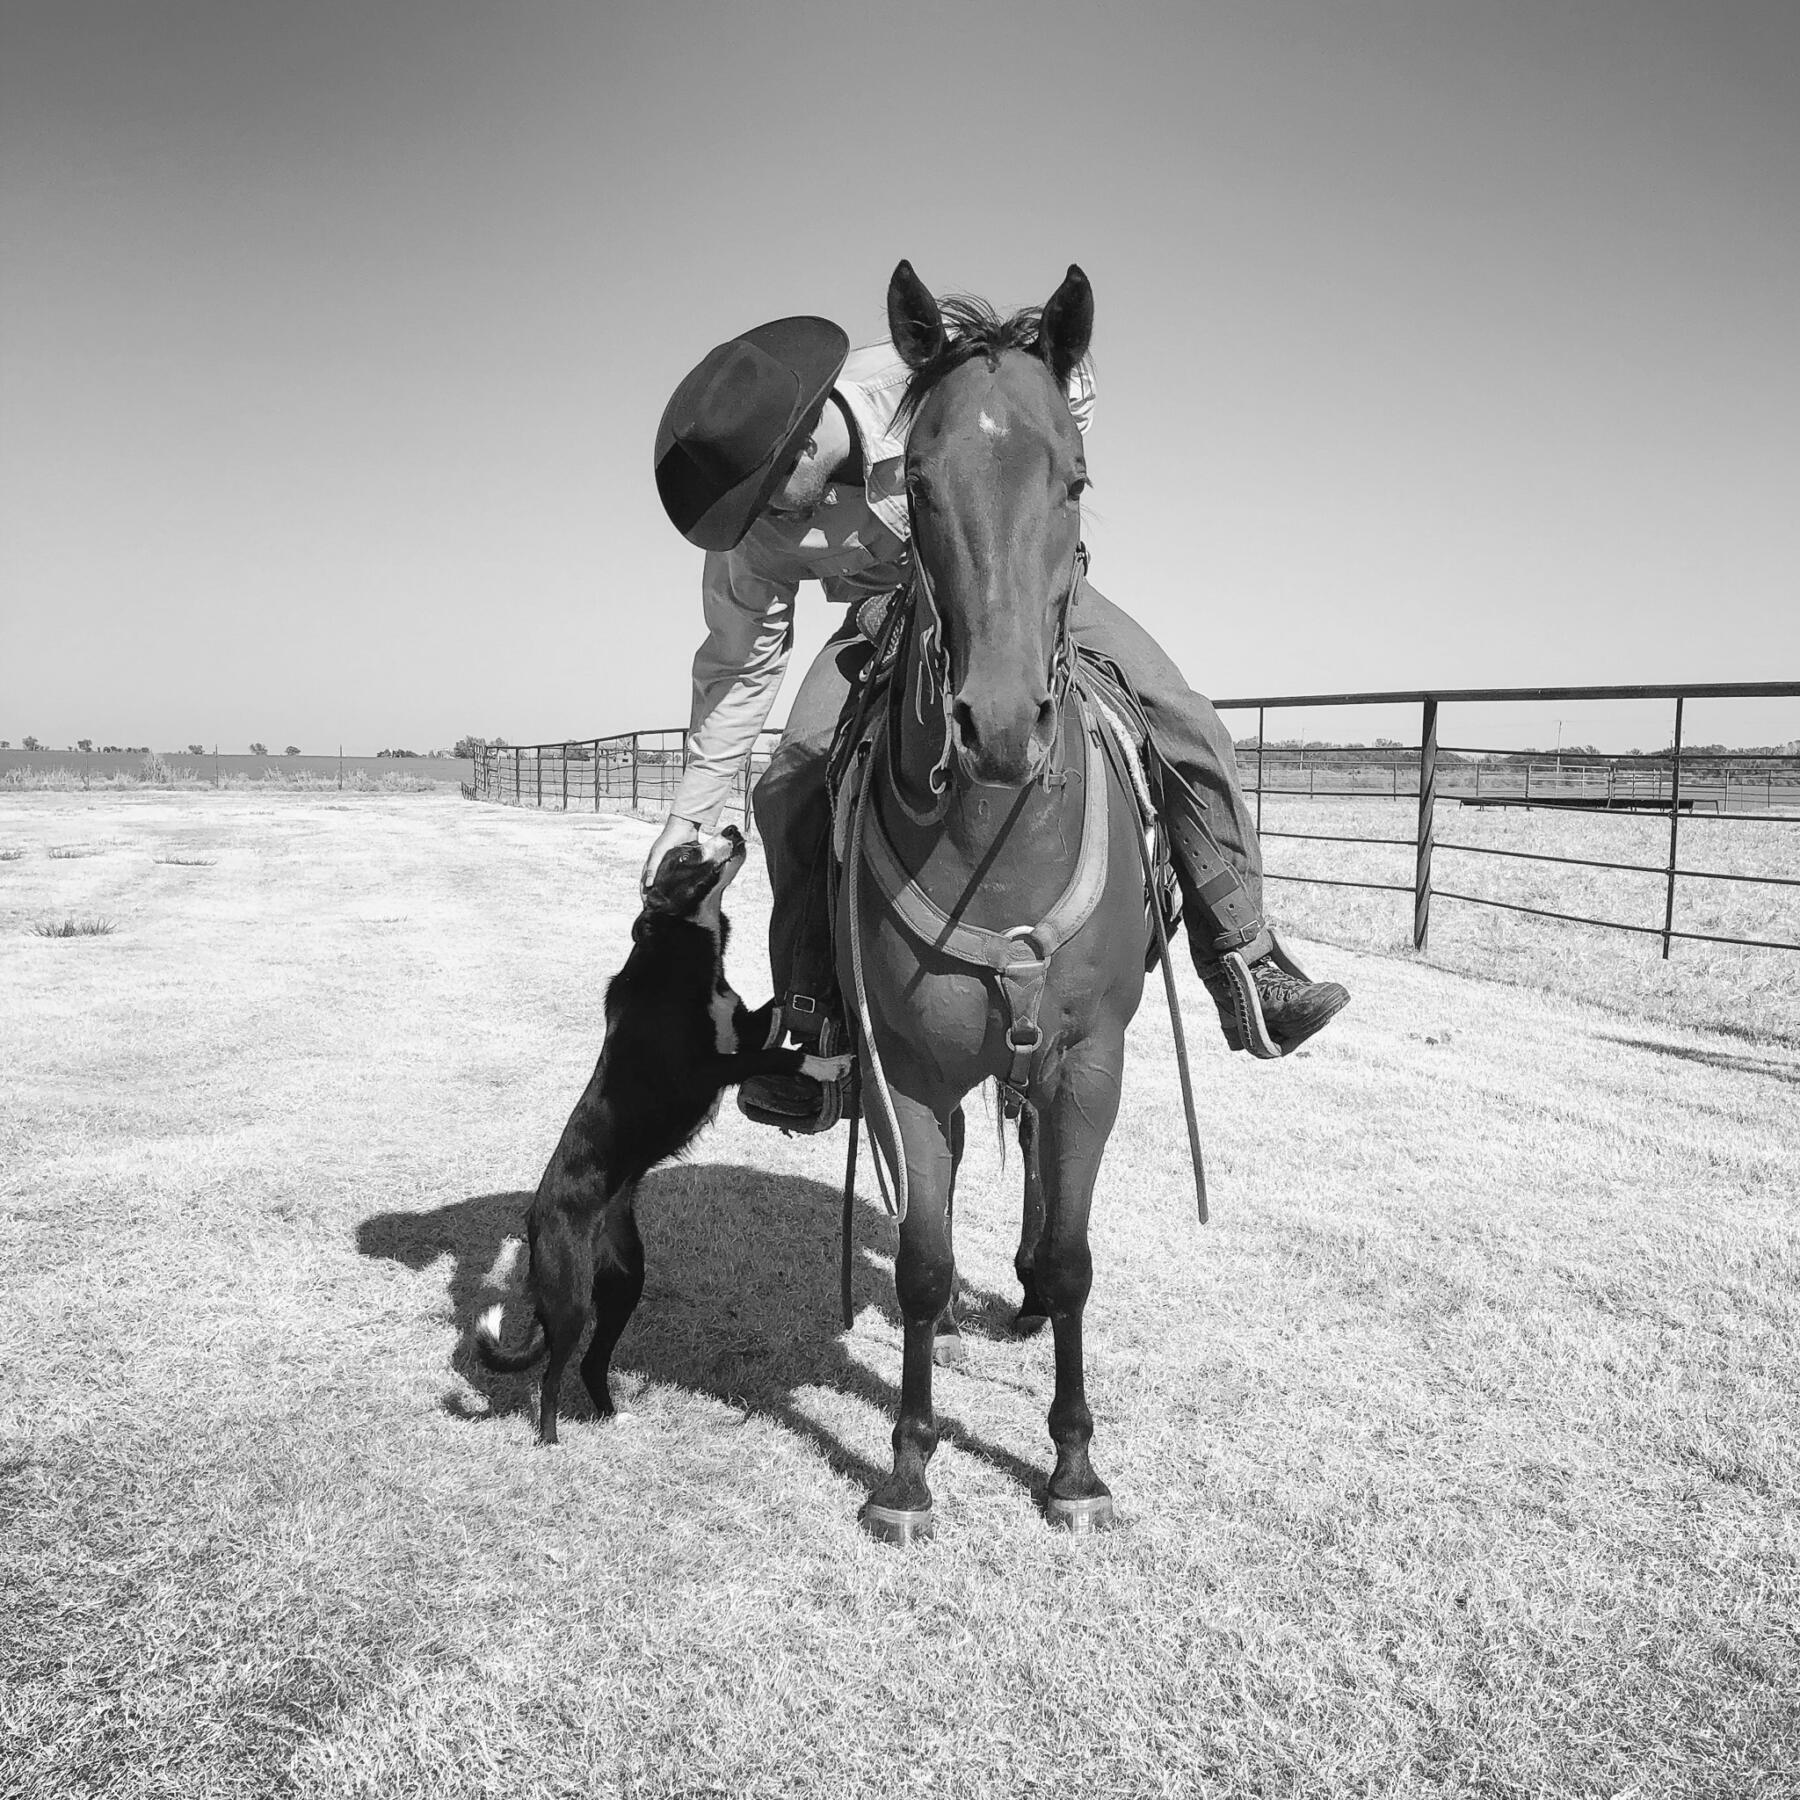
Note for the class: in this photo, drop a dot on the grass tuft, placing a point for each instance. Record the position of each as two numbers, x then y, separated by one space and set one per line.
72 927
10 855
190 862
71 852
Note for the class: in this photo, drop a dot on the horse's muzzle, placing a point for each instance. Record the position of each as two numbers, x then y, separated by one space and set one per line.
1002 749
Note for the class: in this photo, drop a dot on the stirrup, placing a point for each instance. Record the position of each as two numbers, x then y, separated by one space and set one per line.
1246 1006
756 1102
1245 999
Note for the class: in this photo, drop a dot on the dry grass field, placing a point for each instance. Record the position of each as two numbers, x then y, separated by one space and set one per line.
1456 1457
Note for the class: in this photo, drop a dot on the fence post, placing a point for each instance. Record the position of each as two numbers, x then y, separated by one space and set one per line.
1427 805
518 776
594 768
634 773
1674 829
565 776
1259 751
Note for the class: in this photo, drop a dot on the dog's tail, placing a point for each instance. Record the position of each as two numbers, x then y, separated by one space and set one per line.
506 1279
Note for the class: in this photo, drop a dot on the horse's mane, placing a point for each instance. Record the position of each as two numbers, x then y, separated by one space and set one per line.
972 328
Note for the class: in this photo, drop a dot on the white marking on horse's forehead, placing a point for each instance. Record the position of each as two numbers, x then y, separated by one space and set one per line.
990 426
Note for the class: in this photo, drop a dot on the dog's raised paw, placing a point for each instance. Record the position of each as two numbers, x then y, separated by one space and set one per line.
826 1068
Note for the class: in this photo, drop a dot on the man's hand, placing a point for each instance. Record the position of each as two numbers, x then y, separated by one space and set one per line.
675 831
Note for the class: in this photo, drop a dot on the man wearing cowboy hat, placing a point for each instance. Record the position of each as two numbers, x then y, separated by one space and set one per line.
780 456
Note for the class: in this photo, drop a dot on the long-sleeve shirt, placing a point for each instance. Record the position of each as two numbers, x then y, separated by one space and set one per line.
854 543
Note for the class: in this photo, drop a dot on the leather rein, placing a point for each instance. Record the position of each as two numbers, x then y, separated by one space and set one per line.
1018 959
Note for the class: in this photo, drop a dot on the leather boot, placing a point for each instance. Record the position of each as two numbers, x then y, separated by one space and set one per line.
1268 1006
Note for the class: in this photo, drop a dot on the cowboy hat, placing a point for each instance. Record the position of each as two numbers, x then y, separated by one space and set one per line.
730 433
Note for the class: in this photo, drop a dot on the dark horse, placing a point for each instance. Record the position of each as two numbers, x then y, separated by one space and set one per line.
992 922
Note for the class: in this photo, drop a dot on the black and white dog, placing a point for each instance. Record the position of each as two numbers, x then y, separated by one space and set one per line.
676 1037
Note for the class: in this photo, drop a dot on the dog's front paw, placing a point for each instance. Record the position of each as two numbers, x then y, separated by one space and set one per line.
826 1068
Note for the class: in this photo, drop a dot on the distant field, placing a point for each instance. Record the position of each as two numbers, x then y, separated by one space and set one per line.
37 764
1458 1456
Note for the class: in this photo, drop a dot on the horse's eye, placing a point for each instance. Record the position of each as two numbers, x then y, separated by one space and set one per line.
1078 487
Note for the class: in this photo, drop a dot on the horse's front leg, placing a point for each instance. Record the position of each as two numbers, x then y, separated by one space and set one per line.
899 1510
1073 1129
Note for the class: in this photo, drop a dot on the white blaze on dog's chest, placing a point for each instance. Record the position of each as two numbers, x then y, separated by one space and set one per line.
724 1013
723 1005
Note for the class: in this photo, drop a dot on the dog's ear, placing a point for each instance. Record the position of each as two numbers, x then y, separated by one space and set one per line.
657 900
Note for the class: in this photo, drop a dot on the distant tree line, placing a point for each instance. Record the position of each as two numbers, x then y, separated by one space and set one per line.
465 748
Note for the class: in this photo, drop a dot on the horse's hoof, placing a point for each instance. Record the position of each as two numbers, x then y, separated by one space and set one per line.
898 1524
948 1350
1029 1324
1095 1513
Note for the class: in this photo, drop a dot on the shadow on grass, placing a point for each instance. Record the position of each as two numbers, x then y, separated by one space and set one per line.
1718 1059
741 1301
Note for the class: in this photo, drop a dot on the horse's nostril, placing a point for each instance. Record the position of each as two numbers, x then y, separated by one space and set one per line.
966 734
1046 720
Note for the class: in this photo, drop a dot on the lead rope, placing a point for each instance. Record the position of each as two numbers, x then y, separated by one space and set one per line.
894 1201
884 643
1118 745
848 1232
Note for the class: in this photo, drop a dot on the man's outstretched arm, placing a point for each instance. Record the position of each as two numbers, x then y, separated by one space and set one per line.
738 671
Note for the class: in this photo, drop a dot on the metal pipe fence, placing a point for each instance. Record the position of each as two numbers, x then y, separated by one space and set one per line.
640 771
1742 787
631 771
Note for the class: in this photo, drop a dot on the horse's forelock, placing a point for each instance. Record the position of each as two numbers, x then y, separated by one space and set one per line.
972 328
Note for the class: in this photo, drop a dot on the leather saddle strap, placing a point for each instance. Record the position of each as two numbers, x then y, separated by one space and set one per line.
1020 958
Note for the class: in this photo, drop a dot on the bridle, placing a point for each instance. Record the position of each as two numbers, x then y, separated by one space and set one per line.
917 612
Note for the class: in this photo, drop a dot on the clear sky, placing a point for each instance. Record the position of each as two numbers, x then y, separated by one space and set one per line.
1438 343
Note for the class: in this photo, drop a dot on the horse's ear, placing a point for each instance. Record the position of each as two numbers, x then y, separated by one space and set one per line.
914 322
1068 325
